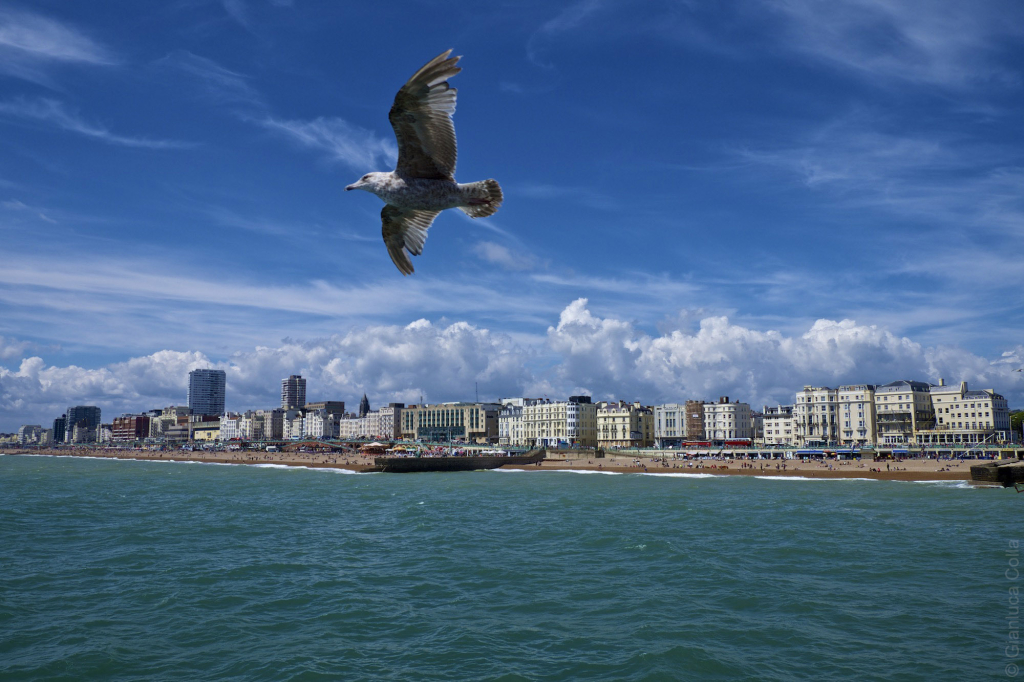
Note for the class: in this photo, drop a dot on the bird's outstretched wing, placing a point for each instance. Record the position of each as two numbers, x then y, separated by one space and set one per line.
422 119
405 232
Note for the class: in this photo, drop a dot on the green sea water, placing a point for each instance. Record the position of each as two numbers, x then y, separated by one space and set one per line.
123 570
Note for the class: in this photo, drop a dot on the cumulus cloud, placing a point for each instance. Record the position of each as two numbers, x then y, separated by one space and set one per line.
389 363
603 356
611 358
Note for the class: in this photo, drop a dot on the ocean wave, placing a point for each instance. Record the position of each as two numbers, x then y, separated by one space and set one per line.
963 485
674 474
332 470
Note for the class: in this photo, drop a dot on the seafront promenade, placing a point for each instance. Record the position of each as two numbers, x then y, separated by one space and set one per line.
900 470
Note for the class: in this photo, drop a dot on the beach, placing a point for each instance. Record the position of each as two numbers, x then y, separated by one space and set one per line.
900 470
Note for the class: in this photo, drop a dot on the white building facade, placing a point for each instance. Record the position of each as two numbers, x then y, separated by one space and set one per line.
727 421
856 414
779 425
817 416
572 422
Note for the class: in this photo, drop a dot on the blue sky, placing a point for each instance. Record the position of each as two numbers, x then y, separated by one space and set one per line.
701 198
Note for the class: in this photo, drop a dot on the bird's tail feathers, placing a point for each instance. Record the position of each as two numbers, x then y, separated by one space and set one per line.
482 198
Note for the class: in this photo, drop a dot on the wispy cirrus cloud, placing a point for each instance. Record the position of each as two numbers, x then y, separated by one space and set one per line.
30 43
338 139
15 205
504 257
53 112
568 19
238 11
944 179
943 43
222 85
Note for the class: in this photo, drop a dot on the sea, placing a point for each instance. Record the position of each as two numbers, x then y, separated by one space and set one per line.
136 570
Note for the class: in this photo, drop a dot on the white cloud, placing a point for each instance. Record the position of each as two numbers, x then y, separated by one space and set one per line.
356 147
607 357
223 85
568 19
942 43
612 359
11 349
54 113
389 363
503 256
29 43
237 10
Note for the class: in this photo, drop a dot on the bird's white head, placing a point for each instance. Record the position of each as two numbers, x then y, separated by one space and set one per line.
371 182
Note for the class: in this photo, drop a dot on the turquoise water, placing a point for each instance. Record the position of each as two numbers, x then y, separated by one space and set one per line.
169 571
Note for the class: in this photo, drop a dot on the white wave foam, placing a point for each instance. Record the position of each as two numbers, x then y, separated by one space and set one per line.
589 471
331 470
808 478
963 485
674 474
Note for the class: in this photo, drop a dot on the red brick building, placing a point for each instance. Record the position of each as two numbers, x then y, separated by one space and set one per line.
130 428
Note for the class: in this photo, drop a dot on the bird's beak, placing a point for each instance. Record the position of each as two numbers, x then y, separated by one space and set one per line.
350 187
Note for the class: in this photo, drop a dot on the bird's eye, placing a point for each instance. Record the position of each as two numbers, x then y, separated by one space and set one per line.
366 177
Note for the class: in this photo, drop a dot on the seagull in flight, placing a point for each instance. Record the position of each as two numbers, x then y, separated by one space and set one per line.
423 184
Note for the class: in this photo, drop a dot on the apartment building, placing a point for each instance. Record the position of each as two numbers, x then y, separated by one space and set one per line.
778 425
727 421
965 416
817 416
511 432
856 414
669 425
571 422
624 425
902 409
473 422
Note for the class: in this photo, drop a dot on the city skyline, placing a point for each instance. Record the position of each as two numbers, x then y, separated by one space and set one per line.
703 199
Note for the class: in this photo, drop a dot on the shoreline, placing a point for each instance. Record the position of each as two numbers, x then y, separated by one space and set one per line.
909 470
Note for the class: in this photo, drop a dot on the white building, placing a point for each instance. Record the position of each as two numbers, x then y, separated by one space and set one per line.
510 425
727 421
624 425
29 434
779 425
390 421
572 421
902 409
965 416
669 425
291 425
351 427
511 431
856 414
231 427
320 424
816 412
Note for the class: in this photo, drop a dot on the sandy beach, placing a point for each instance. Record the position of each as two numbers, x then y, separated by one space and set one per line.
905 470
